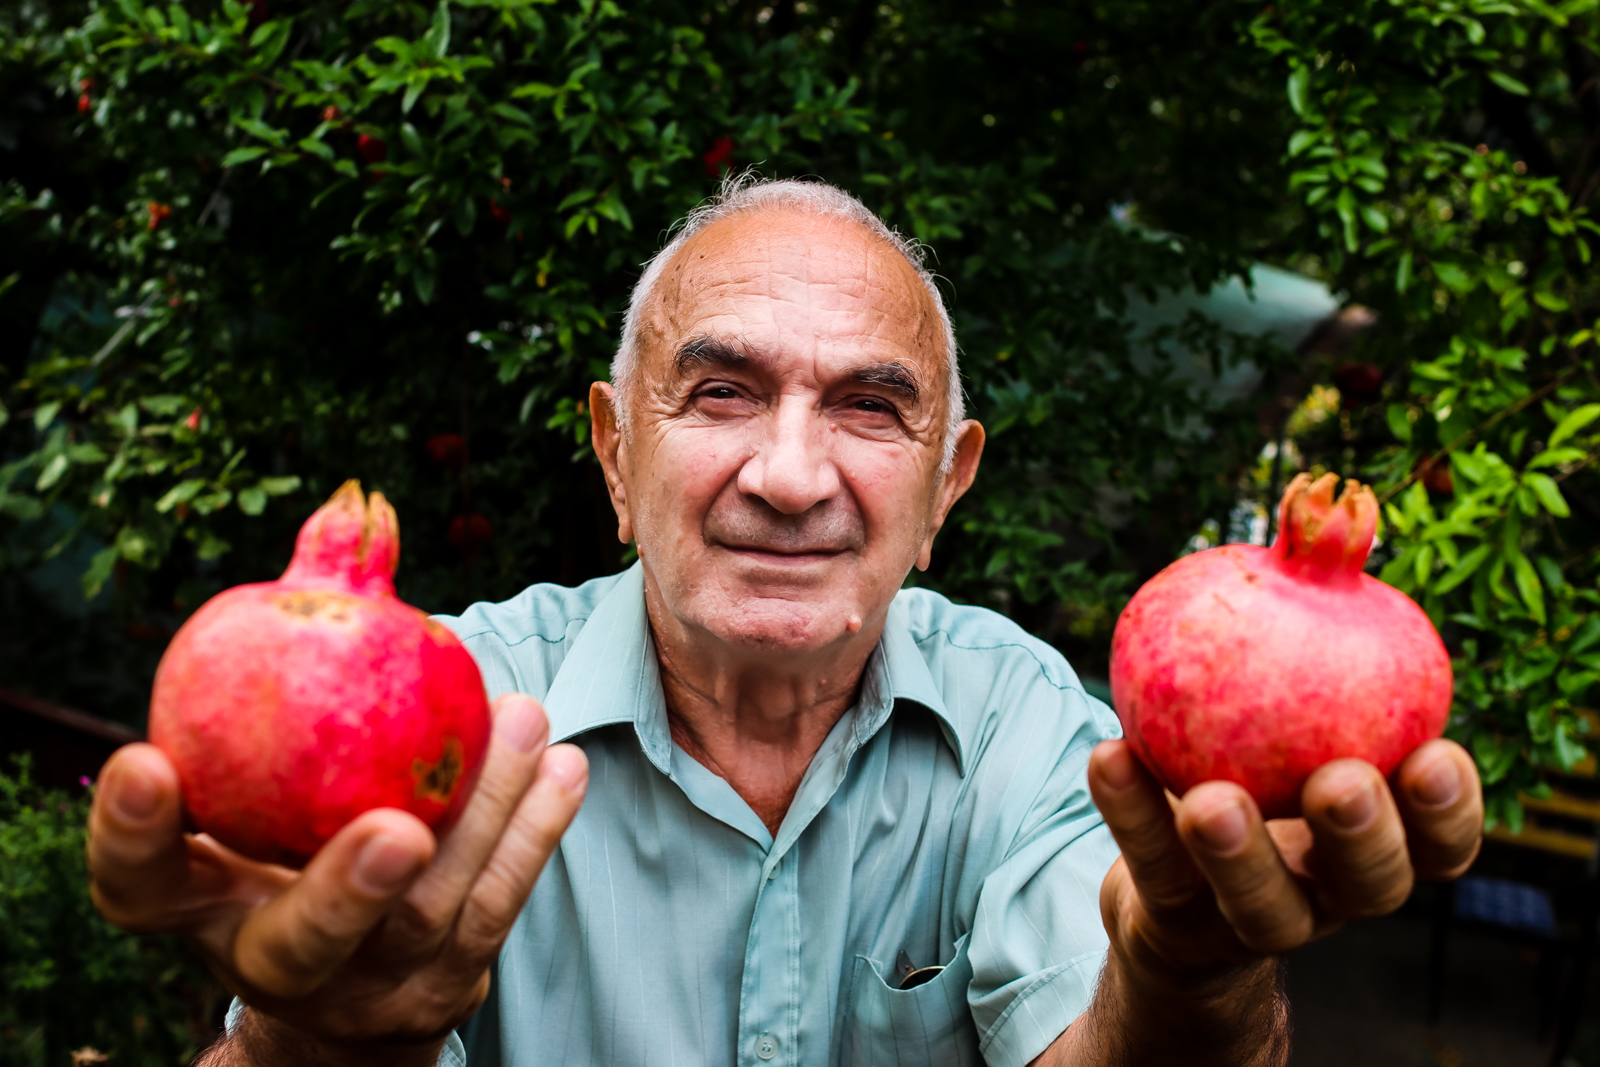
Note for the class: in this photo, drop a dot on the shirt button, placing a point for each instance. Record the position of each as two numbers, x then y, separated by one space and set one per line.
766 1046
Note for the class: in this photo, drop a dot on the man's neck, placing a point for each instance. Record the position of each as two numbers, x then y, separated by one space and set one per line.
756 720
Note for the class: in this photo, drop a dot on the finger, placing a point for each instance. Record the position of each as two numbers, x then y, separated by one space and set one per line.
1358 857
1441 802
520 733
535 830
1221 828
1138 815
290 945
136 852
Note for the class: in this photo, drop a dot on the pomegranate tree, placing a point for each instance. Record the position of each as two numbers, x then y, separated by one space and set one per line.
1258 665
291 707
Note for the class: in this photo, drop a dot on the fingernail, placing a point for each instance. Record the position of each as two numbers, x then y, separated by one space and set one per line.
568 769
135 794
1224 829
1356 809
383 864
1441 785
520 725
1117 769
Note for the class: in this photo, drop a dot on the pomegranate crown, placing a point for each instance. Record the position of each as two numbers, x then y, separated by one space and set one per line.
352 540
1323 537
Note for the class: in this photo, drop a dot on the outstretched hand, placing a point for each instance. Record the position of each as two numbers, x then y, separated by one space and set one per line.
385 938
1205 884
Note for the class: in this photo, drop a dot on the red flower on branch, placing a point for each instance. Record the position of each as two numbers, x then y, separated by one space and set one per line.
159 213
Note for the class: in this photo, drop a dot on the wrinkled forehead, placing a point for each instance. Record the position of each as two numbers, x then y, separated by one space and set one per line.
798 286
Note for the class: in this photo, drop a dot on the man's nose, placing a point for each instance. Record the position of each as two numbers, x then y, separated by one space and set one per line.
792 469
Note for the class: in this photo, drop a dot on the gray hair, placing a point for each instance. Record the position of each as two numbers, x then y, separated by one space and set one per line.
749 192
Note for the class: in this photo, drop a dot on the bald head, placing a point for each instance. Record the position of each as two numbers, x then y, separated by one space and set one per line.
813 234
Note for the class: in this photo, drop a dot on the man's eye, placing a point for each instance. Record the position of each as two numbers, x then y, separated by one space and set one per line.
720 392
874 405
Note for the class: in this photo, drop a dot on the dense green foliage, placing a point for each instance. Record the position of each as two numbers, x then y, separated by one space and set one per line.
252 249
68 980
294 312
1446 154
248 250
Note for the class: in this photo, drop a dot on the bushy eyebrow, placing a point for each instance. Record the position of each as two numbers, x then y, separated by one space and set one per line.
707 352
714 352
896 377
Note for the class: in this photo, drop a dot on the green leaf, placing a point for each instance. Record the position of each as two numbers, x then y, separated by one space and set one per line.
1453 276
1527 580
181 493
266 133
437 40
1550 301
1463 570
45 414
243 155
1544 487
1572 423
252 501
1399 422
1508 83
52 472
1554 457
279 486
100 568
1300 90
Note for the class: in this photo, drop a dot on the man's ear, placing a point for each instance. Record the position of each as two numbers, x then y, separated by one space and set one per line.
610 448
952 484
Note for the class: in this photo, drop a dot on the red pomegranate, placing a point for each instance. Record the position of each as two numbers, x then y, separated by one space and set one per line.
372 149
291 707
1258 665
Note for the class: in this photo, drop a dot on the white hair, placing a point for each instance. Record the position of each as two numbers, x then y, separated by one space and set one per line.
749 192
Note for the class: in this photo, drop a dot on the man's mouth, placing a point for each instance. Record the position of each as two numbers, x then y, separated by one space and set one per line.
785 556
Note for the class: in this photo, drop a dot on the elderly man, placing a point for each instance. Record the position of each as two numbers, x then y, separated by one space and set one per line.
829 820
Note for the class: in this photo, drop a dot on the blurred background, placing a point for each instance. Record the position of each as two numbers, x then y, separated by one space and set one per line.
249 250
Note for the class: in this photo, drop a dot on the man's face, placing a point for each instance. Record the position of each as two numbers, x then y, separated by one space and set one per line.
781 471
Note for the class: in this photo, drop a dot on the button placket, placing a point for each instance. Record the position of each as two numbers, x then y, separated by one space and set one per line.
766 1047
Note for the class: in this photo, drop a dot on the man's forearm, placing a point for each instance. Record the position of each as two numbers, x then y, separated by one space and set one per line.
259 1041
1240 1019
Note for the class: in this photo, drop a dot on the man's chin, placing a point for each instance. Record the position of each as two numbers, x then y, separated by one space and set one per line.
781 624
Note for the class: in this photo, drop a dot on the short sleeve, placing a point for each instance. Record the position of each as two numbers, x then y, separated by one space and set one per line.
1038 943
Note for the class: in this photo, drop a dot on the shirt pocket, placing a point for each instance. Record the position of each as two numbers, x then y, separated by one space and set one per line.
929 1025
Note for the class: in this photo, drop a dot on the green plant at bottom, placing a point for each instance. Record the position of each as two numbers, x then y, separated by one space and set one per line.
68 979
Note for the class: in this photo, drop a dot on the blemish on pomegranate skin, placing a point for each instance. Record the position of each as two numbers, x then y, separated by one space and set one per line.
437 781
308 605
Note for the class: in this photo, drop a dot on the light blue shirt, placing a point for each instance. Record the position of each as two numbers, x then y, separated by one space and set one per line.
946 815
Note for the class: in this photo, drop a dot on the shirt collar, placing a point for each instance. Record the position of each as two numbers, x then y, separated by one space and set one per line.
610 676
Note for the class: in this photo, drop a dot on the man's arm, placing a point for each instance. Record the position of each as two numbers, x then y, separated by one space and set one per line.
1207 896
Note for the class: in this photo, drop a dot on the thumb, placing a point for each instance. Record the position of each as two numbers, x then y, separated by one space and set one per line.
289 946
